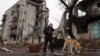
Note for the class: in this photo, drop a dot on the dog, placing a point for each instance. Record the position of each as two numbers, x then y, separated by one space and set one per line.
70 44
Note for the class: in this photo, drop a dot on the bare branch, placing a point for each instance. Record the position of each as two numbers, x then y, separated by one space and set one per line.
74 3
64 3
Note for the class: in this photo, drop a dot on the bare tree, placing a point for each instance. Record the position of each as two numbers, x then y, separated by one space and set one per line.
69 9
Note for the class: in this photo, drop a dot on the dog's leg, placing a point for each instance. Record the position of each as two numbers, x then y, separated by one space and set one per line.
65 44
71 49
68 49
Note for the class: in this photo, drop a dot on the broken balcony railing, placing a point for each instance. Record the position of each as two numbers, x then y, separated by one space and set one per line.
13 26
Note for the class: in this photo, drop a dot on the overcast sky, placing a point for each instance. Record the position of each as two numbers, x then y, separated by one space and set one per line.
55 11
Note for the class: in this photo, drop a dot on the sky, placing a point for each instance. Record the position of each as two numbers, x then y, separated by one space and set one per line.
55 12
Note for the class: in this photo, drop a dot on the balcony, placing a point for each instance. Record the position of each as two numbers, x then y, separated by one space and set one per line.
13 26
15 13
15 19
13 35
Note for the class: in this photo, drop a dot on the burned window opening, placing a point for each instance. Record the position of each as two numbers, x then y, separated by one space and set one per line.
39 9
13 34
18 6
38 16
82 29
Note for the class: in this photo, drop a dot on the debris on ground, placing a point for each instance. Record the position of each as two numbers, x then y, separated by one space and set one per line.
3 49
6 49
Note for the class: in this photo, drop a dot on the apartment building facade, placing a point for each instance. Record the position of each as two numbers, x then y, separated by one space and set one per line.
24 18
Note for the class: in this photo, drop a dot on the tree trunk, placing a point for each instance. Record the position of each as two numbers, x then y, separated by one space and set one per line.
70 9
70 24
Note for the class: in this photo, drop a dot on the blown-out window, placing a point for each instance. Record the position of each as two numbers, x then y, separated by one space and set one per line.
98 4
82 29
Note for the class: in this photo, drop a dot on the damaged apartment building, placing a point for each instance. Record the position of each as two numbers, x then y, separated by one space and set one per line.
84 27
24 18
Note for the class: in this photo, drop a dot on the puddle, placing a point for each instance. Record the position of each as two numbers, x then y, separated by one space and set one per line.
98 50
